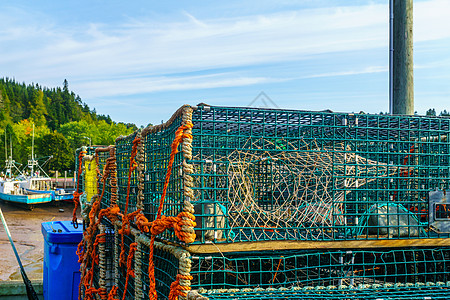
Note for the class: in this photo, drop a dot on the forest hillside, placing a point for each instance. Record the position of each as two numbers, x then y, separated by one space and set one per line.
62 123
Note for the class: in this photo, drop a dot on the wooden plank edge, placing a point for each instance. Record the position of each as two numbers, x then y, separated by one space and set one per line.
314 245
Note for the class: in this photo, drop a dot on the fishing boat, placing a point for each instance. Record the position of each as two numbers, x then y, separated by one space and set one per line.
35 183
17 188
11 188
43 185
11 191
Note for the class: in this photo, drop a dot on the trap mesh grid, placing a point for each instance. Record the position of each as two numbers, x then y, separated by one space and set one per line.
123 155
104 186
166 266
415 293
129 292
364 274
288 269
105 251
389 274
157 148
263 174
166 269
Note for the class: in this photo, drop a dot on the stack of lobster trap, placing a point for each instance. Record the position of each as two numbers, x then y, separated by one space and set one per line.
247 203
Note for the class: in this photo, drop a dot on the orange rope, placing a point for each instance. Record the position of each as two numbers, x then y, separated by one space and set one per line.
179 136
276 272
90 292
132 167
130 271
110 212
125 230
76 194
113 293
179 290
87 249
127 217
88 278
100 238
159 225
405 172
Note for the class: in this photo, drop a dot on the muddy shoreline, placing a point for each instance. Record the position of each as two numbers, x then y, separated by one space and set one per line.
25 228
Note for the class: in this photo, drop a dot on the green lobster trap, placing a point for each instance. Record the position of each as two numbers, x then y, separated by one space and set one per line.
402 273
380 293
263 174
274 194
328 269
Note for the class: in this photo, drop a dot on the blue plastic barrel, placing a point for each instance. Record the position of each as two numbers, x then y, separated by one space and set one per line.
61 267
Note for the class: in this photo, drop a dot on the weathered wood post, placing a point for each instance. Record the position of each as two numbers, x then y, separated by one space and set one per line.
401 58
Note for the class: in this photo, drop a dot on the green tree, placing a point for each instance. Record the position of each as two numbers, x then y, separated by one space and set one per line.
58 146
431 112
5 106
24 135
38 109
51 109
75 132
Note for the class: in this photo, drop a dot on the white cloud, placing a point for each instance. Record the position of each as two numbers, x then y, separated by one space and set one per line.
99 51
368 70
147 56
189 45
431 20
121 87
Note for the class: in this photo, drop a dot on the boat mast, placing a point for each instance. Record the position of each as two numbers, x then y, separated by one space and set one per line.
32 153
6 156
33 162
10 156
10 164
6 149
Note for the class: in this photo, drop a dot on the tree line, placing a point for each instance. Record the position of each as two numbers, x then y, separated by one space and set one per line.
62 123
432 112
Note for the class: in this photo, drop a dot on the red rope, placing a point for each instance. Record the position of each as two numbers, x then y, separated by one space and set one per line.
127 217
113 293
179 136
130 271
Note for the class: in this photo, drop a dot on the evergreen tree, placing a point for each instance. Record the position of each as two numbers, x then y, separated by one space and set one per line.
58 146
444 113
431 112
5 105
38 109
53 111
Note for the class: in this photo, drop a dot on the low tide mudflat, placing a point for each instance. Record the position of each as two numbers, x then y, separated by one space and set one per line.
25 227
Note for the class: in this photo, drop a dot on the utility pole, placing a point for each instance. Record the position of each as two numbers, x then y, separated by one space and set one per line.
401 64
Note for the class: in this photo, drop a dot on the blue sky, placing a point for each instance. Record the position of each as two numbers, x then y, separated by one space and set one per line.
138 61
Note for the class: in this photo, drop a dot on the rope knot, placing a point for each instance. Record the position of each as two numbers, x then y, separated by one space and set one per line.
179 223
142 223
179 290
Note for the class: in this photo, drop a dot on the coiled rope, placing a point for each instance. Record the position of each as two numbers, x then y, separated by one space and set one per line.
76 194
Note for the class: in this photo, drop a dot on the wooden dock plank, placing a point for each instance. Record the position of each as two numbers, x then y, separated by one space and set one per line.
311 245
